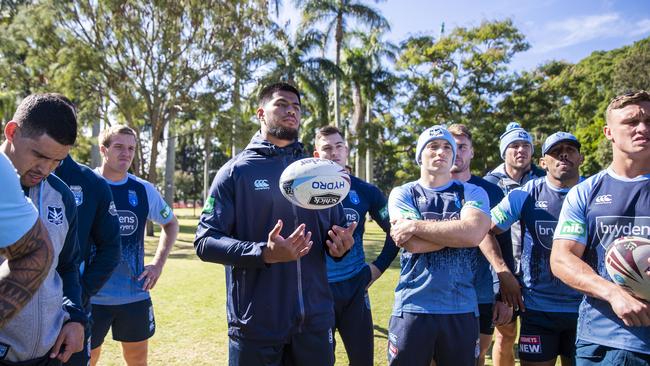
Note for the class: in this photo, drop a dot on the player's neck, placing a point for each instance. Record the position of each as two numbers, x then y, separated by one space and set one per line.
516 173
463 176
276 141
111 174
563 183
624 166
435 180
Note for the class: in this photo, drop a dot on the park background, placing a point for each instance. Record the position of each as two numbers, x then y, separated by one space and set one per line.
184 74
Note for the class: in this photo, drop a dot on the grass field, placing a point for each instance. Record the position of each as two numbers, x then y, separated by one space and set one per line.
190 308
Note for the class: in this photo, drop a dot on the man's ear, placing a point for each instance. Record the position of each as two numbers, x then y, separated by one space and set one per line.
542 163
316 154
260 114
10 131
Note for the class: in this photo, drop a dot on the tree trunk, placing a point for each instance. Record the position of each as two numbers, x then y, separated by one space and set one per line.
339 41
170 165
207 151
95 157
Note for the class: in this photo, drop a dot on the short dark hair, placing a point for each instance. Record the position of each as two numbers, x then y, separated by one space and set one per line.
267 92
327 131
47 113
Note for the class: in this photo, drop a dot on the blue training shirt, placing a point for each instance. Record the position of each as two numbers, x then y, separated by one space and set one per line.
363 198
595 213
136 201
440 282
17 213
538 205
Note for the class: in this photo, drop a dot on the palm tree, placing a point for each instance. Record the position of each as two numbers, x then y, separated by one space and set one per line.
336 14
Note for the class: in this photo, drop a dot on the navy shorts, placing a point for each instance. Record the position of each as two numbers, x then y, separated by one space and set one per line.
545 335
307 348
590 354
449 339
41 361
132 322
485 318
354 318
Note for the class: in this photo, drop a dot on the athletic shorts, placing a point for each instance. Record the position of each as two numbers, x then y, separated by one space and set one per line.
449 339
545 335
485 318
133 322
41 361
590 354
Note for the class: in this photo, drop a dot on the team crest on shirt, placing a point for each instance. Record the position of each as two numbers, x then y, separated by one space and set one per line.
55 215
354 197
4 349
78 194
133 198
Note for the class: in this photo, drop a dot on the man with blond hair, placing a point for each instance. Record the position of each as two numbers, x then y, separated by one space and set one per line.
124 303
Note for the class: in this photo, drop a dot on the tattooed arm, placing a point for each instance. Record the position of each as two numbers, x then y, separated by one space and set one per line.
28 262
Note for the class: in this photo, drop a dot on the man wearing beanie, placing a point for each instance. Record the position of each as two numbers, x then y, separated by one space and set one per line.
439 222
516 149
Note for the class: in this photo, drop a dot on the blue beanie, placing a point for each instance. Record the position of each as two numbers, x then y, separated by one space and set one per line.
514 132
437 132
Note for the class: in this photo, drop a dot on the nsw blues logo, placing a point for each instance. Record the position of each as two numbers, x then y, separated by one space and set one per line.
55 215
4 349
354 197
78 194
133 198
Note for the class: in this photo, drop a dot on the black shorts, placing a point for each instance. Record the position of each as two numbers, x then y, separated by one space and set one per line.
545 335
133 322
485 318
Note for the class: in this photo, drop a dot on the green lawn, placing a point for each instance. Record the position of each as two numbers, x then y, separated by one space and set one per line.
190 307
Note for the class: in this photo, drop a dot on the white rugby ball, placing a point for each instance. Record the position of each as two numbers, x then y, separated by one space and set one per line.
314 183
626 261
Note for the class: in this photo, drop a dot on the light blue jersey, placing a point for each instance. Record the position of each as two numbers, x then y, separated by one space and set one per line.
17 213
136 201
537 204
440 282
595 213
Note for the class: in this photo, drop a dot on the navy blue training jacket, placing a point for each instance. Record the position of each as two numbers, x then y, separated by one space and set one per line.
266 302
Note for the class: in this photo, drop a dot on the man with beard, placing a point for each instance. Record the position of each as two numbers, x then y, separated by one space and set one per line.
548 324
516 149
613 325
280 308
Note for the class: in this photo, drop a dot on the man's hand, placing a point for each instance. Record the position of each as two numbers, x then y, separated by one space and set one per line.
151 274
633 312
69 341
401 230
279 249
342 239
510 290
502 314
375 273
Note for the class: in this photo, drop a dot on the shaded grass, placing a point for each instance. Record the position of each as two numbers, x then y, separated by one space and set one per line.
190 307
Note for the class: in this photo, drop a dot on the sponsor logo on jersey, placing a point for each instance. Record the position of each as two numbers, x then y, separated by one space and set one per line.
112 210
165 212
541 204
128 222
133 198
261 184
603 199
499 215
78 194
383 213
409 214
4 349
55 215
475 204
324 199
208 208
351 215
609 228
530 344
422 200
573 228
437 216
545 230
354 197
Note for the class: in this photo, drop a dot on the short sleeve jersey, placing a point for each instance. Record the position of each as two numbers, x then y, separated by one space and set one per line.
595 213
136 201
17 213
362 198
440 282
537 204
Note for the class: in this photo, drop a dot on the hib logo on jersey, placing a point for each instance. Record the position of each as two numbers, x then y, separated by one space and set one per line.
609 228
530 344
128 222
55 215
261 184
544 231
351 215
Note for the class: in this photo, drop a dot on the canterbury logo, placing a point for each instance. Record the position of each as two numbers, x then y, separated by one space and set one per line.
604 199
541 204
261 184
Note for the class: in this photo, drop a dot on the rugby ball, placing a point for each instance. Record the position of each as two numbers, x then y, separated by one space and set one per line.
314 183
626 261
